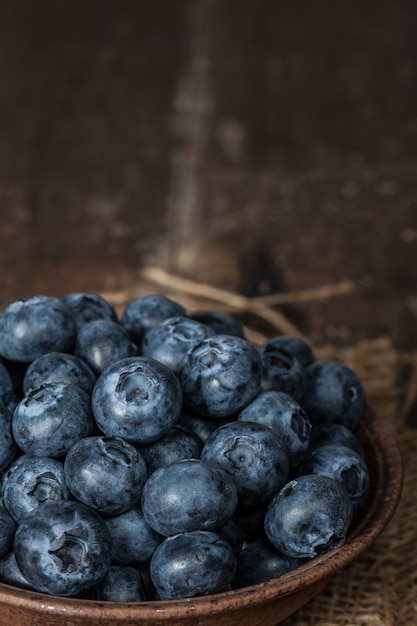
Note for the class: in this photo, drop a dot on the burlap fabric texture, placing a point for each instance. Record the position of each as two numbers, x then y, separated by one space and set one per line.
379 588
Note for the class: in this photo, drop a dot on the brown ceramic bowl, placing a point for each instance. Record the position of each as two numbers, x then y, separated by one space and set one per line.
266 604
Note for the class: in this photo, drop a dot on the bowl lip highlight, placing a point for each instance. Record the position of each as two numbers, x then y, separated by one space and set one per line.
385 465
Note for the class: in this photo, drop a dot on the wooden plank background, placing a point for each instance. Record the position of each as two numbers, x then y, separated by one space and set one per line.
258 146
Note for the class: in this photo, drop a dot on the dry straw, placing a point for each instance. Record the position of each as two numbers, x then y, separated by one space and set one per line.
379 588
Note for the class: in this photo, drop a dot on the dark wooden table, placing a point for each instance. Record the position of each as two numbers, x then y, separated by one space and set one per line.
258 146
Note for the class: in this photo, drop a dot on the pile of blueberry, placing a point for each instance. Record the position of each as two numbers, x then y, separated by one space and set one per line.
161 455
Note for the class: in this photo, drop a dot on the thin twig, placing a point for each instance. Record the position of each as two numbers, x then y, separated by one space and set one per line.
237 301
344 287
171 281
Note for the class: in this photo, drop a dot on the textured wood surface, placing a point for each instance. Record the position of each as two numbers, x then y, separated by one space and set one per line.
257 146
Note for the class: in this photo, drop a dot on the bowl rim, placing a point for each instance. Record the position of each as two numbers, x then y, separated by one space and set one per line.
386 478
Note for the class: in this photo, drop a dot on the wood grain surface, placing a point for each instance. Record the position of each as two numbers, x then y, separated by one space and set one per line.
257 146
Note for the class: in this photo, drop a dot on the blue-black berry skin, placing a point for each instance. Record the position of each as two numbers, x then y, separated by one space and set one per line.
220 376
343 464
284 415
133 540
309 516
63 549
176 445
169 341
323 434
50 419
281 371
6 385
253 455
192 564
8 446
16 372
31 482
34 326
11 574
105 473
59 367
198 424
188 495
333 393
137 399
232 532
222 323
7 531
251 520
103 342
87 307
259 561
295 347
121 583
146 312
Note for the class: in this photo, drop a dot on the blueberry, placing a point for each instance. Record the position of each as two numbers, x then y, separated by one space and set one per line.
231 532
198 424
31 482
35 326
222 323
176 445
133 540
308 516
192 564
16 372
147 311
220 375
11 574
322 434
7 530
188 495
105 473
59 367
251 520
87 307
295 346
283 415
281 371
101 343
121 583
259 561
333 393
8 446
63 549
253 455
50 419
343 464
138 399
6 385
169 341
